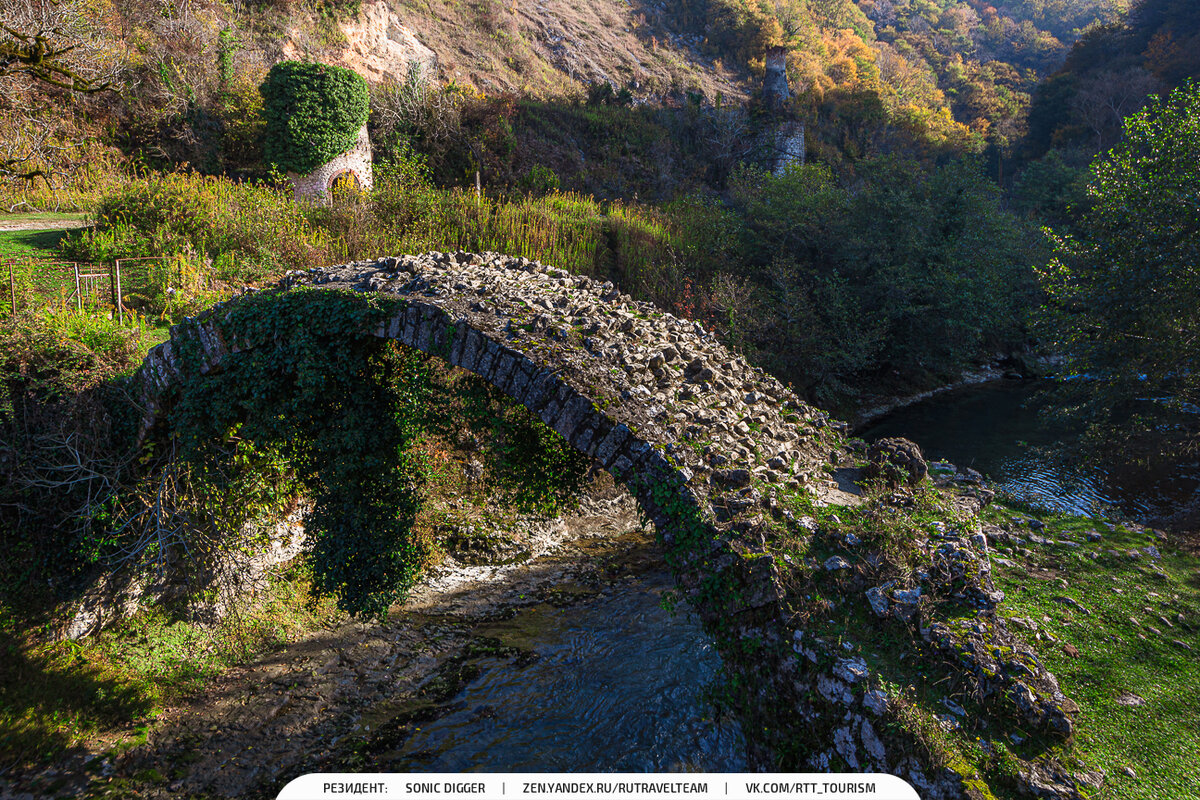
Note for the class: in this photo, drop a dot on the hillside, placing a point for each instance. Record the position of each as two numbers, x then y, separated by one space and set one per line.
544 49
1109 74
871 76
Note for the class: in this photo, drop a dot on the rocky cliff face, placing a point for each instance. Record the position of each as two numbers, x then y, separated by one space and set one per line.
379 46
546 48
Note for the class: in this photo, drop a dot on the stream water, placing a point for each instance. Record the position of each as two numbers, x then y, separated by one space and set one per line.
997 429
617 687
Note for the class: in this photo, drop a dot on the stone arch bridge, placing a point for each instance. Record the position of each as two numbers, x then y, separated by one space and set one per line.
705 442
655 399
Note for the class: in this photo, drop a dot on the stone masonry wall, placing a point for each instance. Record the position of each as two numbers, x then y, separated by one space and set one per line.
357 160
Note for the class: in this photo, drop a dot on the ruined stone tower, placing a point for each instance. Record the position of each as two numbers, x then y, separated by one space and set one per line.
785 133
354 164
775 84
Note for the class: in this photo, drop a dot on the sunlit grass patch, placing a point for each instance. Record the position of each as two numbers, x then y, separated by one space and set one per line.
1118 627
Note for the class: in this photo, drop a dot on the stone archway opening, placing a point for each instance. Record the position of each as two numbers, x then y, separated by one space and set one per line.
344 184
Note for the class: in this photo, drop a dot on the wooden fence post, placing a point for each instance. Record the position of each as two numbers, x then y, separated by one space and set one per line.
117 283
78 290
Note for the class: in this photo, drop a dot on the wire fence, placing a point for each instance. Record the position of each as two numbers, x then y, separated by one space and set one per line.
126 284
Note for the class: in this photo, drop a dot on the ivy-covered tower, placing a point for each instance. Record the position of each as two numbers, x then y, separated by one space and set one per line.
317 126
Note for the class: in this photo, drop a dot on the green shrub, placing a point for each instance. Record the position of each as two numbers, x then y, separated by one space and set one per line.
313 111
63 435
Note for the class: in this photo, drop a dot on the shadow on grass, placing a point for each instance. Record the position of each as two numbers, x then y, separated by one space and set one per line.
38 244
51 696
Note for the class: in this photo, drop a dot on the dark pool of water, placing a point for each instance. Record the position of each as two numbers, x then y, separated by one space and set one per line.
997 429
617 687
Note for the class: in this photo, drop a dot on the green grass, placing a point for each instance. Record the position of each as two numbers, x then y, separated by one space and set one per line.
54 696
34 244
1159 740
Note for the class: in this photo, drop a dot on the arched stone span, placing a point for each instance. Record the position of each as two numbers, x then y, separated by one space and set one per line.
702 439
653 398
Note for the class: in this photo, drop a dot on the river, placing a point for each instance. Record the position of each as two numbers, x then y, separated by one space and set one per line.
999 429
617 686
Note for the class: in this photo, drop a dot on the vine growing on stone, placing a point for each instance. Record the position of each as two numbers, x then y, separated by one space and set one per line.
347 411
313 113
344 409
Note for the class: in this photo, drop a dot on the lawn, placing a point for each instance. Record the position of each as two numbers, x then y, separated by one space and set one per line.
37 244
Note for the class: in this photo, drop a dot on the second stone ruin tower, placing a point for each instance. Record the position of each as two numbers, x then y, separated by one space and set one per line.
784 133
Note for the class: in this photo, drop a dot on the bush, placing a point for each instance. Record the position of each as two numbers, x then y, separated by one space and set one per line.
893 268
249 230
63 437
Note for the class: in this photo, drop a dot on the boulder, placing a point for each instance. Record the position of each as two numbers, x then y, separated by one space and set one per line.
895 462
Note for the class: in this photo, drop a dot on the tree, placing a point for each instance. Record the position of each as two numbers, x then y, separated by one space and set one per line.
46 50
1124 291
1105 98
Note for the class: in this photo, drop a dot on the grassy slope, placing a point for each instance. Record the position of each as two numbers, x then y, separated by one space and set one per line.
1139 635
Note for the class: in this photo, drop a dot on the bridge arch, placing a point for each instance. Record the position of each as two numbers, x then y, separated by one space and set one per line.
697 434
703 440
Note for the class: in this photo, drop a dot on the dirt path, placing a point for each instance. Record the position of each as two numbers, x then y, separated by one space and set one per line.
54 222
327 702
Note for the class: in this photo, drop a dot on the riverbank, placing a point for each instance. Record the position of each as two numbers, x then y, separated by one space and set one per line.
315 702
1114 609
877 409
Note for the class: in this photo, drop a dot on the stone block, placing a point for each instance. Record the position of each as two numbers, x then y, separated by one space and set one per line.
611 444
543 387
470 355
412 325
442 331
460 337
519 382
549 412
622 468
506 365
584 439
425 337
487 357
574 412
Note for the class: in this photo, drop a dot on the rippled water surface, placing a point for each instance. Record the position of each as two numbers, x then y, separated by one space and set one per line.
617 687
996 428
